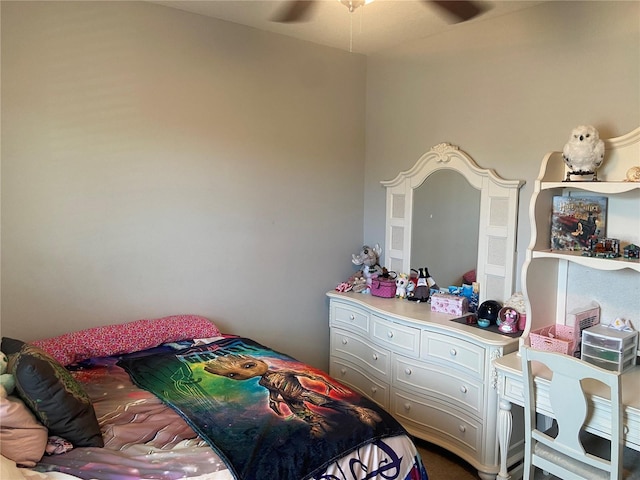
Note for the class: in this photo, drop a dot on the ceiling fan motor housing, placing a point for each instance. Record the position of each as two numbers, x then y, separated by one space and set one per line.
353 4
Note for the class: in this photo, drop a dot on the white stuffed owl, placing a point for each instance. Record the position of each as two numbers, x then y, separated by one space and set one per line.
584 152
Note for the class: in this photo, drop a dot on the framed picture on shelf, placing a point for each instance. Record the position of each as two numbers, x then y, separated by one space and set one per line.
577 219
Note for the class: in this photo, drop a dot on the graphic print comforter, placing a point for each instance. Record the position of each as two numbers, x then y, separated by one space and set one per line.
266 414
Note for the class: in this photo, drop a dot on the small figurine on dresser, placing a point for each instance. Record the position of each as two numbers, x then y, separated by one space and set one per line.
516 302
583 154
509 318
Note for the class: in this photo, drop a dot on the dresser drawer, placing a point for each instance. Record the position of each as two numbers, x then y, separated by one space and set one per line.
361 353
397 337
453 352
350 317
448 385
353 377
435 420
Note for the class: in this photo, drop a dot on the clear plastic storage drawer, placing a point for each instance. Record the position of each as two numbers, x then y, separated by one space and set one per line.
609 348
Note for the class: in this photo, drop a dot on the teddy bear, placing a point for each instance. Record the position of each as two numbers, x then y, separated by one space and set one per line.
7 382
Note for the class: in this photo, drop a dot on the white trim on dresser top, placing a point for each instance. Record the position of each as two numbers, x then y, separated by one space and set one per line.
433 374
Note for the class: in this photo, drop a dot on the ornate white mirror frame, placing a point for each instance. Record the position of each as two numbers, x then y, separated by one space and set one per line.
497 226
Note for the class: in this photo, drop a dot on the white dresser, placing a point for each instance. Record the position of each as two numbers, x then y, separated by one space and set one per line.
432 373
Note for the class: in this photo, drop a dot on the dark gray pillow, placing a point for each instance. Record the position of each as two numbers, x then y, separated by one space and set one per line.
54 396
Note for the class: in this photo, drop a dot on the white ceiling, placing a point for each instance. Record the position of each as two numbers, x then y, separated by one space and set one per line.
371 28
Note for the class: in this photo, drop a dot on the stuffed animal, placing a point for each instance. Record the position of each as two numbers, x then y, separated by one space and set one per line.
424 286
410 288
402 281
369 258
584 152
344 287
359 284
7 382
421 292
356 283
413 283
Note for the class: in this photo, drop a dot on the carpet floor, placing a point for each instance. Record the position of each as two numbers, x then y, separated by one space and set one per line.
444 465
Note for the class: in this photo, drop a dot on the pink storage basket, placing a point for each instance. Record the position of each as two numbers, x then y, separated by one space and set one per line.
554 338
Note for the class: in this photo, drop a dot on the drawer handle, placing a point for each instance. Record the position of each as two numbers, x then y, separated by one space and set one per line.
463 389
374 390
343 371
625 429
407 406
390 334
453 352
407 371
344 341
462 428
352 317
375 356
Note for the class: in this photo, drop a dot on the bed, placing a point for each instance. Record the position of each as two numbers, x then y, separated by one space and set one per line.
175 398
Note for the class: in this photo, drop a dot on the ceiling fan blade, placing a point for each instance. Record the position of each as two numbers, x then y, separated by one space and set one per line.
460 10
295 11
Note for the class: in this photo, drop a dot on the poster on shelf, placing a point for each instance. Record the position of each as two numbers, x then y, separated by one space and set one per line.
575 220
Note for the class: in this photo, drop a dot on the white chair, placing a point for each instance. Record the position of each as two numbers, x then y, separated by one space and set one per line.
566 450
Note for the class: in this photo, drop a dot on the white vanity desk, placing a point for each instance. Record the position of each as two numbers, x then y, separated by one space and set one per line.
433 374
511 390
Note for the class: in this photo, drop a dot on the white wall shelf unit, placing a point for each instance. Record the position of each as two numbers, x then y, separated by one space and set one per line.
555 282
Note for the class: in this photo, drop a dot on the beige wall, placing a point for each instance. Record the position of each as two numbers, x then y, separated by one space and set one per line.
157 162
506 90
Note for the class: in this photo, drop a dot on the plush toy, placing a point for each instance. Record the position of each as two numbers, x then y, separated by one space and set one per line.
425 283
584 152
410 288
7 382
344 287
360 284
369 258
355 283
413 281
421 293
402 281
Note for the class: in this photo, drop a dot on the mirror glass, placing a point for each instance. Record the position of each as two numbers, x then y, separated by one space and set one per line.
482 226
444 237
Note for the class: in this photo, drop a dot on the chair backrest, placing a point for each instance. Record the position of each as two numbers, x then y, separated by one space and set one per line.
570 407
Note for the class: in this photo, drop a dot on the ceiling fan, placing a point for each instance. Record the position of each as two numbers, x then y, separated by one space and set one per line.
300 10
